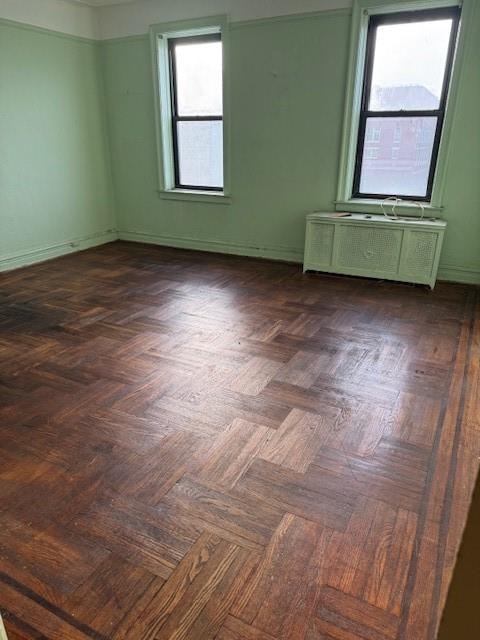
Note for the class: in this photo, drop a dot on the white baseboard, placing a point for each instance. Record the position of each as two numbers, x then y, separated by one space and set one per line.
22 259
288 254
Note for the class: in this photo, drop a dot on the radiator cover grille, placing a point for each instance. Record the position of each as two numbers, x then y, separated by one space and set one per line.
369 248
321 243
373 246
420 252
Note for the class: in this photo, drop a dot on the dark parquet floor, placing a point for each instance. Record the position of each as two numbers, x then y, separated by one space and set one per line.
197 446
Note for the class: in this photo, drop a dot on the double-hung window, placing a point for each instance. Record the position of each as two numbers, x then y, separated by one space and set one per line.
407 72
191 96
197 111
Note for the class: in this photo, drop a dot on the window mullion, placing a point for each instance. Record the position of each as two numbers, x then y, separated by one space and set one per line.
192 118
414 113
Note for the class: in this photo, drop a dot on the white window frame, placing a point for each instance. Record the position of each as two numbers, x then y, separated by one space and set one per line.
362 10
160 35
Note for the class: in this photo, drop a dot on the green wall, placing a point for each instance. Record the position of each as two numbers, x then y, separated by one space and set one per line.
287 90
288 81
55 182
461 253
77 126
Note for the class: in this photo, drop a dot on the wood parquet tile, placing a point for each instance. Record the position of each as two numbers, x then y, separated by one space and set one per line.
201 447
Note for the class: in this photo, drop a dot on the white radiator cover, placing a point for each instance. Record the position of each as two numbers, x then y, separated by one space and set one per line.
407 250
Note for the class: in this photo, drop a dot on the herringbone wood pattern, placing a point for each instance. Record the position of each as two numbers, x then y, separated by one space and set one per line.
196 447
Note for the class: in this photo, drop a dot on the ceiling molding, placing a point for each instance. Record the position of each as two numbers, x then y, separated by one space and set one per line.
134 18
106 19
72 18
101 3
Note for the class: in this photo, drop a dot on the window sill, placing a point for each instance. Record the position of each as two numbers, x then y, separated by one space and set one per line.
190 195
368 205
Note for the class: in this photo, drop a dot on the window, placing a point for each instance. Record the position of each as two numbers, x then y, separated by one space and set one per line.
373 135
190 62
407 73
195 65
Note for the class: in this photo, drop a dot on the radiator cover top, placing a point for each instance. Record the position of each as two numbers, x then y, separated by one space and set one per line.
403 249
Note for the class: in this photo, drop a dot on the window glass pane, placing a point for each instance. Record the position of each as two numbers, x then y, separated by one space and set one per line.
409 65
200 153
396 156
199 78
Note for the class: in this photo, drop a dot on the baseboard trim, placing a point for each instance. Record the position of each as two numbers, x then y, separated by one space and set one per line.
446 272
17 260
465 275
286 254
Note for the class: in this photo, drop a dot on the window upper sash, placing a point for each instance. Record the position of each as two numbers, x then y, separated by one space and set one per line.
366 112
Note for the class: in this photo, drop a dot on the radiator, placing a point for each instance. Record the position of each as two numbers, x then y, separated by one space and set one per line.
403 249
